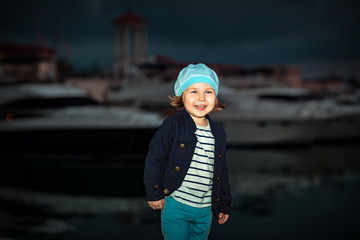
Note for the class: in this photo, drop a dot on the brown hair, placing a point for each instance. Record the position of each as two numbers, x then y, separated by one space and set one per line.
178 102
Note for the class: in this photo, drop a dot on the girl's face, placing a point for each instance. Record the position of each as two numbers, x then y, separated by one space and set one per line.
199 100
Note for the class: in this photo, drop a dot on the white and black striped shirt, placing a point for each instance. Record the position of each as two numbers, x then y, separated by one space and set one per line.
196 189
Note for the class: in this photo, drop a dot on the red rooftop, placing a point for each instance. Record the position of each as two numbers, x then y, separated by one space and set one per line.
129 17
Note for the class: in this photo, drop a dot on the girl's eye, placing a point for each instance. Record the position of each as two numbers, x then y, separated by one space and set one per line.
210 92
193 91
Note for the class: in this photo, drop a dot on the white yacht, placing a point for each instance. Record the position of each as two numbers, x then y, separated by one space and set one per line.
273 115
149 96
343 118
259 116
55 118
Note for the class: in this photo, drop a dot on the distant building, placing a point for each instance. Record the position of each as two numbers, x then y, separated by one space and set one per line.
330 84
239 76
164 69
27 63
133 66
130 42
131 63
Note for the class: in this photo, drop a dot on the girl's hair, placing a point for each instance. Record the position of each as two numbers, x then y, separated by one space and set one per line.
178 102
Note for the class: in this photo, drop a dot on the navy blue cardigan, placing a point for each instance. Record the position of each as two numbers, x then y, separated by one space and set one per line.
170 154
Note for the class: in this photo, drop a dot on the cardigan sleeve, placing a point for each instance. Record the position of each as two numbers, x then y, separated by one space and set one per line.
156 159
225 191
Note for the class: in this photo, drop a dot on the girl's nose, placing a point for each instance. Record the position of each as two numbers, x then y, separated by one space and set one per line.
201 96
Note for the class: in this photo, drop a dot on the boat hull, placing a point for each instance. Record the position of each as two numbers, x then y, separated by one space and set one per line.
77 141
248 132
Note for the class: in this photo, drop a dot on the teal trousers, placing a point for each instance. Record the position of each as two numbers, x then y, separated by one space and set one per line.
182 222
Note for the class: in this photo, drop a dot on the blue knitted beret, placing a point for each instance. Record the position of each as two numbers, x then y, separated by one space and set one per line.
195 73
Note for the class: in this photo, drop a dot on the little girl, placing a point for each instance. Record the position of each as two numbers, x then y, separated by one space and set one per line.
186 175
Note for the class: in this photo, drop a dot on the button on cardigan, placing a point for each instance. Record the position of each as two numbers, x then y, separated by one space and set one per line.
170 154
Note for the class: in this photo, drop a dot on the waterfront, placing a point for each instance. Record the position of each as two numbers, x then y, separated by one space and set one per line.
302 192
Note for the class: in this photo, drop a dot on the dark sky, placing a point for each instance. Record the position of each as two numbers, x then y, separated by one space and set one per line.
321 36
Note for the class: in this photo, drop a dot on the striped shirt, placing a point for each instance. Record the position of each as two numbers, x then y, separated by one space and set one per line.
196 189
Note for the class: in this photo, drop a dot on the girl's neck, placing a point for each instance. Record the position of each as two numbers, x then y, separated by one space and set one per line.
202 122
199 121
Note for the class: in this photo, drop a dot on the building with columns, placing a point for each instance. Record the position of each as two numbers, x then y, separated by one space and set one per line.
130 43
133 66
27 63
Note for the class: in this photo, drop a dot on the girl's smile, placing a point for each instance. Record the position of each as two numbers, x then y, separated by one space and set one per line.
200 107
199 100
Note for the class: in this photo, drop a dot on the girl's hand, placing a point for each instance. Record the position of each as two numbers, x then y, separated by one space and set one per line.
157 205
223 218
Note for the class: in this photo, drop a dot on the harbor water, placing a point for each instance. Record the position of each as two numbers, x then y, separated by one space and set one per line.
299 192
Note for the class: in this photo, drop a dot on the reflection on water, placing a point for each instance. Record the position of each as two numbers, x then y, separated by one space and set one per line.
299 193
